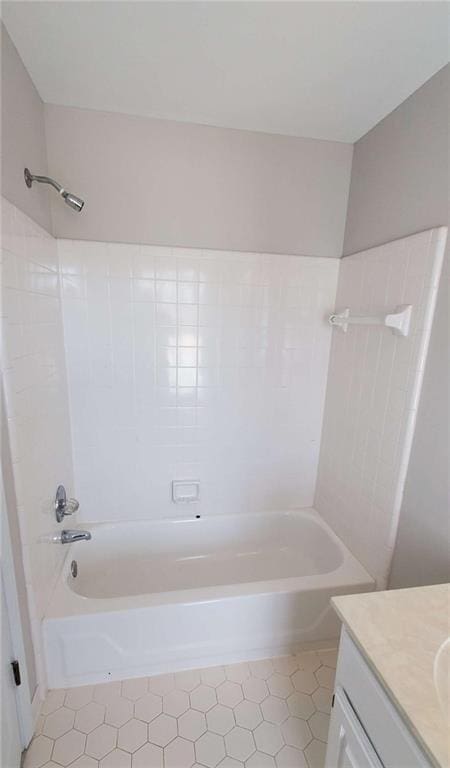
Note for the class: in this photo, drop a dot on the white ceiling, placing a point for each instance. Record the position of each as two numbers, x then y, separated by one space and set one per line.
328 70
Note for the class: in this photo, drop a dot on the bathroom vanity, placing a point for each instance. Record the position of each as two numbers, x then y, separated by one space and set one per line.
390 705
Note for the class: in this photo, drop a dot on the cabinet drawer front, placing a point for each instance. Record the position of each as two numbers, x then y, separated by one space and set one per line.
348 744
385 728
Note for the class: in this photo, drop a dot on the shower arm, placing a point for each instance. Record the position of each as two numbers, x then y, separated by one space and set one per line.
30 177
73 201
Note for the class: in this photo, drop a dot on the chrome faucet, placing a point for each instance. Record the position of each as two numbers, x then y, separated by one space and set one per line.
70 536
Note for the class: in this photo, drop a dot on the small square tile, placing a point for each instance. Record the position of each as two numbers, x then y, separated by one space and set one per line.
143 290
166 291
187 293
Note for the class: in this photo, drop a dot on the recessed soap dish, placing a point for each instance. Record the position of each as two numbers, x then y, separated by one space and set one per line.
185 491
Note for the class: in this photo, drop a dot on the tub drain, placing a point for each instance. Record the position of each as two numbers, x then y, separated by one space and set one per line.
74 568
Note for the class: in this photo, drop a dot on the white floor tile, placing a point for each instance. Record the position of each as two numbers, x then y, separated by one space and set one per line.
240 743
272 713
220 720
132 735
210 749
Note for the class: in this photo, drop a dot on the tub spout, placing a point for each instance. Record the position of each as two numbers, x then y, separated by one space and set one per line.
69 537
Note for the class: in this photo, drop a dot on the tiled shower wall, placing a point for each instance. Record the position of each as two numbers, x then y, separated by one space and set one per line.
188 364
373 390
37 409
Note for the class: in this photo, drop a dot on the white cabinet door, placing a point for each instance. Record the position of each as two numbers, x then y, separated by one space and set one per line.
348 744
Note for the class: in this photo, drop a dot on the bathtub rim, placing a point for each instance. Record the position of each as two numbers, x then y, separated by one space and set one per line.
66 603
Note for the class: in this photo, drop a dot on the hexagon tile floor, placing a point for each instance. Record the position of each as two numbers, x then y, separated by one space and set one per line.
263 714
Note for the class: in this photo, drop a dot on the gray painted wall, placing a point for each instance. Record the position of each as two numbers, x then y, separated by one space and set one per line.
399 186
399 181
23 136
169 183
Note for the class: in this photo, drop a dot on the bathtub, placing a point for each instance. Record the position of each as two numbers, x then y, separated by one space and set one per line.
162 595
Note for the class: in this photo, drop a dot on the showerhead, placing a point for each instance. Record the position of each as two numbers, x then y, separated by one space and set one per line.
76 203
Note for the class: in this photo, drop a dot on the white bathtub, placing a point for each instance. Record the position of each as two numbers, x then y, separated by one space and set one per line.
157 596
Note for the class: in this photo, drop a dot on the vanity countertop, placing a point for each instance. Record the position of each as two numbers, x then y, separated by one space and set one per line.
400 633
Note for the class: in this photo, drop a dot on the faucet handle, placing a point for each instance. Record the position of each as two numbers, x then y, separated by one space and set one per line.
71 506
63 506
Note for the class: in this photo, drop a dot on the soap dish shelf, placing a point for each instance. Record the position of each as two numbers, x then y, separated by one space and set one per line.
398 321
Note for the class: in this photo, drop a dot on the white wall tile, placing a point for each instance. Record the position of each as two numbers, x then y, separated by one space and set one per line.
373 391
193 364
